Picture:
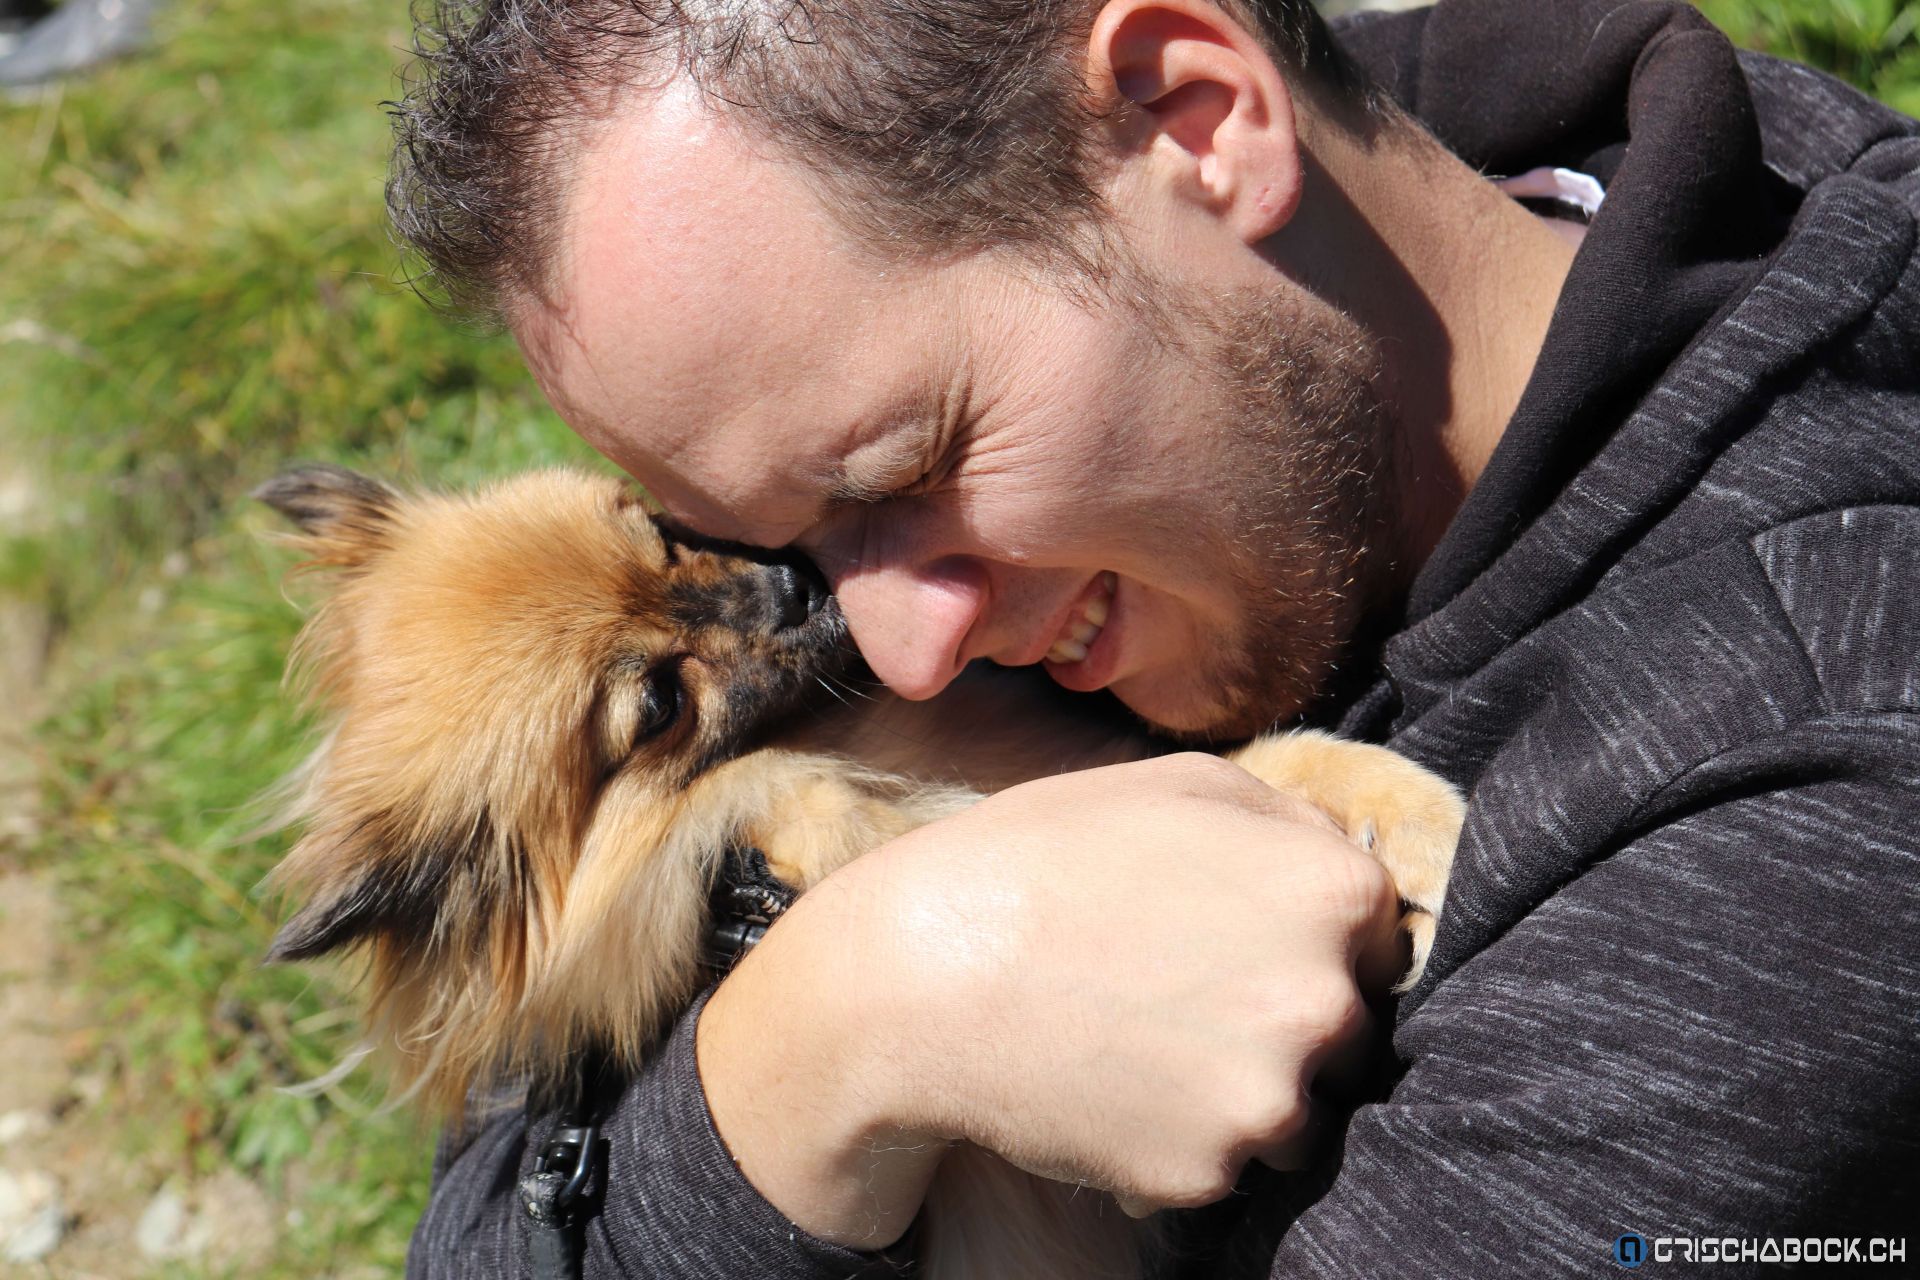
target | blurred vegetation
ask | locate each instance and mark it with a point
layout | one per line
(195, 289)
(1874, 44)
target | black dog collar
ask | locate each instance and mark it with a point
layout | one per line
(747, 897)
(557, 1196)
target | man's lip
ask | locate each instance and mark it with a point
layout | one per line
(1096, 670)
(1036, 650)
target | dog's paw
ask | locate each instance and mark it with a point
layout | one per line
(814, 814)
(1408, 818)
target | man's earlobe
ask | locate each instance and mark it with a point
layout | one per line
(1201, 99)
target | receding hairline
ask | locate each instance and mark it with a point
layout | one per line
(1001, 151)
(539, 285)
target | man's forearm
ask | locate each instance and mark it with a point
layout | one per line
(789, 1082)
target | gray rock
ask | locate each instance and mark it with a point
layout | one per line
(162, 1229)
(74, 37)
(15, 1125)
(32, 1220)
(226, 1220)
(239, 1222)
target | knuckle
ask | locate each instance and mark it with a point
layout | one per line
(1273, 1121)
(1198, 765)
(1263, 1104)
(1202, 774)
(1200, 1185)
(1360, 890)
(1330, 1009)
(1277, 1123)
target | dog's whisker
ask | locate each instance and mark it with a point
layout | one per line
(320, 1084)
(848, 687)
(830, 689)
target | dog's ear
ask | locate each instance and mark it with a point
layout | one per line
(382, 897)
(343, 517)
(324, 925)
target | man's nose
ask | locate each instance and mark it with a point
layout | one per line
(912, 622)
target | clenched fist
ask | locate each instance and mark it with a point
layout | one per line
(1129, 976)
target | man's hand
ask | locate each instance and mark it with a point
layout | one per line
(1129, 976)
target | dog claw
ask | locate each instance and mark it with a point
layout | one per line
(1421, 927)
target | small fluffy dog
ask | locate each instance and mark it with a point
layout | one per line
(548, 717)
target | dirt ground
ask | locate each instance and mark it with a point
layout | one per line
(60, 1199)
(73, 1204)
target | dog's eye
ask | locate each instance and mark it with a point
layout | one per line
(662, 705)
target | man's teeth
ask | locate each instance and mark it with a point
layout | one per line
(1081, 631)
(1066, 651)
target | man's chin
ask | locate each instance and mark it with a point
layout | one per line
(1187, 713)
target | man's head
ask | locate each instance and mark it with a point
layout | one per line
(966, 297)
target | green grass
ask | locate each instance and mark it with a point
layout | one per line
(196, 289)
(1875, 44)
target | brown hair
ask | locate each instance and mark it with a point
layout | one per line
(950, 124)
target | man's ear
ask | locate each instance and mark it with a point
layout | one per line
(343, 517)
(1198, 97)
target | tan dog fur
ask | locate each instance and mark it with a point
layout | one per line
(526, 867)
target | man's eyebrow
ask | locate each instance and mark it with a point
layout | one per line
(853, 491)
(894, 458)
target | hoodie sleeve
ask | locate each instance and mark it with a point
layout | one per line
(676, 1206)
(1705, 1041)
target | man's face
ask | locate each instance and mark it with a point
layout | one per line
(983, 459)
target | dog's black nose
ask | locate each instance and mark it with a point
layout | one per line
(799, 593)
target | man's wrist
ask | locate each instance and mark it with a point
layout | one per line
(801, 1090)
